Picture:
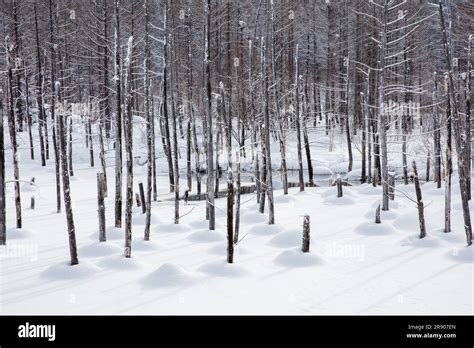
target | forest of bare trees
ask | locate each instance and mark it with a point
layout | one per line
(234, 78)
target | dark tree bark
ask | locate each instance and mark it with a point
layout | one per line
(128, 126)
(298, 120)
(101, 206)
(459, 133)
(67, 189)
(39, 89)
(210, 156)
(306, 234)
(149, 131)
(142, 197)
(118, 119)
(419, 201)
(377, 215)
(166, 128)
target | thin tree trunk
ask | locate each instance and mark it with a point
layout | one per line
(118, 120)
(297, 121)
(458, 132)
(101, 206)
(419, 201)
(149, 130)
(210, 156)
(128, 126)
(39, 89)
(67, 190)
(12, 130)
(3, 218)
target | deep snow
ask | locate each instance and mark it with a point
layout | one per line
(355, 265)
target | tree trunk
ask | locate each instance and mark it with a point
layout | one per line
(210, 156)
(67, 190)
(118, 120)
(149, 130)
(3, 220)
(382, 118)
(458, 131)
(12, 130)
(39, 90)
(419, 201)
(306, 234)
(101, 206)
(128, 149)
(297, 121)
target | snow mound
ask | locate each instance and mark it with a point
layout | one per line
(207, 236)
(284, 199)
(322, 170)
(427, 242)
(354, 175)
(119, 263)
(169, 275)
(372, 229)
(253, 216)
(395, 204)
(111, 233)
(221, 250)
(344, 200)
(99, 249)
(145, 245)
(407, 222)
(265, 229)
(340, 168)
(463, 255)
(368, 189)
(199, 224)
(384, 215)
(287, 239)
(223, 269)
(18, 233)
(171, 228)
(64, 271)
(297, 258)
(332, 192)
(140, 219)
(27, 187)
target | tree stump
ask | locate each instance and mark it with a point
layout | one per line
(339, 186)
(391, 186)
(377, 215)
(142, 197)
(137, 199)
(306, 234)
(419, 201)
(101, 206)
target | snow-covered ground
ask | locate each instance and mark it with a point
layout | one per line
(355, 265)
